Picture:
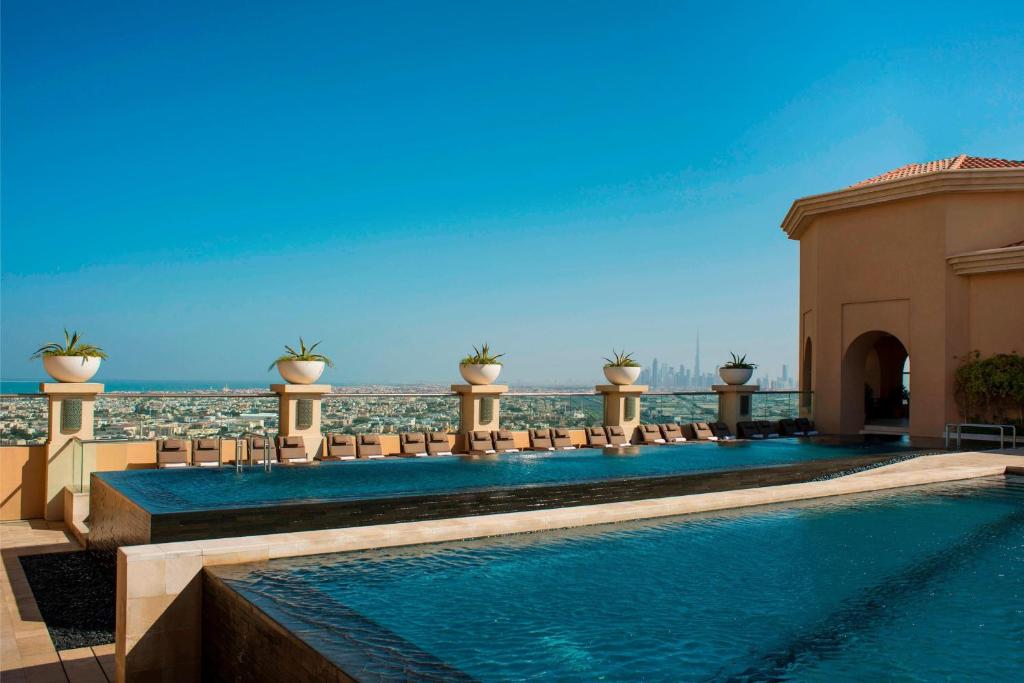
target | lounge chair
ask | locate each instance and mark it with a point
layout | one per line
(368, 446)
(748, 430)
(689, 431)
(413, 444)
(258, 448)
(480, 442)
(438, 444)
(540, 440)
(671, 432)
(617, 436)
(503, 441)
(806, 426)
(561, 440)
(340, 447)
(721, 430)
(291, 449)
(702, 431)
(651, 435)
(768, 429)
(206, 452)
(789, 427)
(171, 453)
(596, 437)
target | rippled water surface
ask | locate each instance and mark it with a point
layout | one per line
(174, 490)
(921, 585)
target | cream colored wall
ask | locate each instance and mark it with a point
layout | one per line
(883, 267)
(22, 478)
(996, 325)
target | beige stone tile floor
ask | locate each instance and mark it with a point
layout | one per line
(26, 652)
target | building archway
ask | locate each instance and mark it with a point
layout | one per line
(874, 394)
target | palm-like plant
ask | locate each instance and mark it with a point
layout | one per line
(303, 353)
(482, 356)
(739, 363)
(72, 346)
(621, 359)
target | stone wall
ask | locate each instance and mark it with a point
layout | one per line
(114, 520)
(241, 643)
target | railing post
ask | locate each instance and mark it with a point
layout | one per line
(622, 405)
(298, 413)
(734, 403)
(71, 407)
(479, 406)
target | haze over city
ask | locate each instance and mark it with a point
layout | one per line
(195, 185)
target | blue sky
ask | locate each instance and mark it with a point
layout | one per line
(195, 184)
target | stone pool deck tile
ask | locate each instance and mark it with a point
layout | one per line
(81, 666)
(26, 651)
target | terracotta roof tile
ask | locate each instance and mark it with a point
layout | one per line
(953, 163)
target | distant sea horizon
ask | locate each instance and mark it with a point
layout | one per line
(19, 386)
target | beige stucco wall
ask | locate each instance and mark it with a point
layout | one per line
(883, 268)
(22, 478)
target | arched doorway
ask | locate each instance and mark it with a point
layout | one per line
(875, 392)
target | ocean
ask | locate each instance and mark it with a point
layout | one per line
(116, 385)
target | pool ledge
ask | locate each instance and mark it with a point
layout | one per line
(159, 587)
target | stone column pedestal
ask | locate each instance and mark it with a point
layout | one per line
(298, 413)
(734, 403)
(479, 406)
(622, 405)
(71, 407)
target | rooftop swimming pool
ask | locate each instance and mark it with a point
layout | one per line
(197, 489)
(919, 584)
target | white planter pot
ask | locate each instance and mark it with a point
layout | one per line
(735, 375)
(480, 374)
(71, 368)
(300, 371)
(622, 376)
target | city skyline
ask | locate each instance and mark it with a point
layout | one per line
(217, 181)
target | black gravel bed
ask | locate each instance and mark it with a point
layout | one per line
(875, 465)
(76, 595)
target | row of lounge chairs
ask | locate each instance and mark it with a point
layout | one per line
(763, 429)
(292, 449)
(671, 432)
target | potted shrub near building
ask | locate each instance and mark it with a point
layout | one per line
(736, 371)
(621, 369)
(303, 366)
(72, 361)
(480, 367)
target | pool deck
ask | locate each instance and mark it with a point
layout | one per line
(26, 651)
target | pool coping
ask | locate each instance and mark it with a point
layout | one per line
(159, 587)
(129, 523)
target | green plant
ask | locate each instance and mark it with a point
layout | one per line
(990, 388)
(621, 359)
(739, 363)
(482, 356)
(72, 346)
(302, 354)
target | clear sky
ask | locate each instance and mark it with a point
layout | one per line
(194, 184)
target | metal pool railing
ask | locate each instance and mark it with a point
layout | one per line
(957, 428)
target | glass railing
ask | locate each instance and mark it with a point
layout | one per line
(389, 413)
(781, 405)
(679, 407)
(210, 415)
(525, 411)
(193, 416)
(23, 419)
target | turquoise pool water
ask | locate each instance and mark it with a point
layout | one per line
(924, 584)
(177, 490)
